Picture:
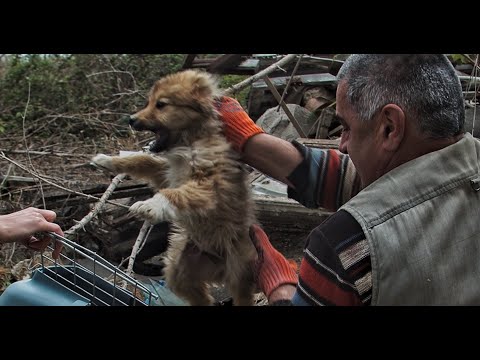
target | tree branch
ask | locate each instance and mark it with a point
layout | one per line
(142, 237)
(98, 206)
(243, 84)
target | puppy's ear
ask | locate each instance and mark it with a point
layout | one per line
(204, 90)
(203, 86)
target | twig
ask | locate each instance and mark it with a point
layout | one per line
(6, 176)
(294, 71)
(56, 185)
(9, 260)
(129, 92)
(98, 206)
(23, 120)
(26, 144)
(42, 153)
(141, 239)
(243, 84)
(123, 262)
(112, 71)
(473, 62)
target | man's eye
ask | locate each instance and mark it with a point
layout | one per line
(160, 104)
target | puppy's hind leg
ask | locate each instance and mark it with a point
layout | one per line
(240, 282)
(188, 272)
(195, 293)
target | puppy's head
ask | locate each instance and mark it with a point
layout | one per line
(179, 105)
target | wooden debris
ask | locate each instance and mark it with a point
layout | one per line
(284, 107)
(324, 122)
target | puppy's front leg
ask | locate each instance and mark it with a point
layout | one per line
(141, 166)
(155, 210)
(170, 204)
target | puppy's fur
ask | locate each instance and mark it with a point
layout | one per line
(202, 189)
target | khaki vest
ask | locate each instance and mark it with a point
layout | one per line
(422, 224)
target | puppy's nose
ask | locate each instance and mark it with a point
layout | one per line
(131, 120)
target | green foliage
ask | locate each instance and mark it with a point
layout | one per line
(459, 59)
(228, 80)
(67, 87)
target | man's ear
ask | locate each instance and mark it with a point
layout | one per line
(392, 126)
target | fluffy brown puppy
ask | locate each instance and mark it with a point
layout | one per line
(201, 188)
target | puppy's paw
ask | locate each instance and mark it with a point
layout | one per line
(155, 210)
(103, 161)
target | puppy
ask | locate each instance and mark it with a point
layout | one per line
(202, 189)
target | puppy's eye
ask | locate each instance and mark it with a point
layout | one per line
(160, 104)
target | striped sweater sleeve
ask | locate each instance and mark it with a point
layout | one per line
(336, 266)
(325, 178)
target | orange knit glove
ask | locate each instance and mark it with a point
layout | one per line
(272, 269)
(238, 125)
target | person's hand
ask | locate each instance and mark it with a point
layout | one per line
(272, 269)
(22, 227)
(238, 126)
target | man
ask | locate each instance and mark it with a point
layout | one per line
(411, 236)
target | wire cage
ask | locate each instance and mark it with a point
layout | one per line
(76, 281)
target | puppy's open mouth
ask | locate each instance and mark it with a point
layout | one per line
(161, 140)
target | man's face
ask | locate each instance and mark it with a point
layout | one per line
(359, 139)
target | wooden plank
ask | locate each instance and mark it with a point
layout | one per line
(320, 143)
(21, 179)
(224, 63)
(69, 199)
(80, 200)
(287, 215)
(249, 65)
(311, 79)
(188, 61)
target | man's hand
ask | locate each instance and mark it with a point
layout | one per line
(238, 126)
(272, 269)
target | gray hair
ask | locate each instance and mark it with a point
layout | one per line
(425, 86)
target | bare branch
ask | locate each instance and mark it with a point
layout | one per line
(243, 84)
(25, 141)
(142, 237)
(294, 71)
(98, 206)
(116, 71)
